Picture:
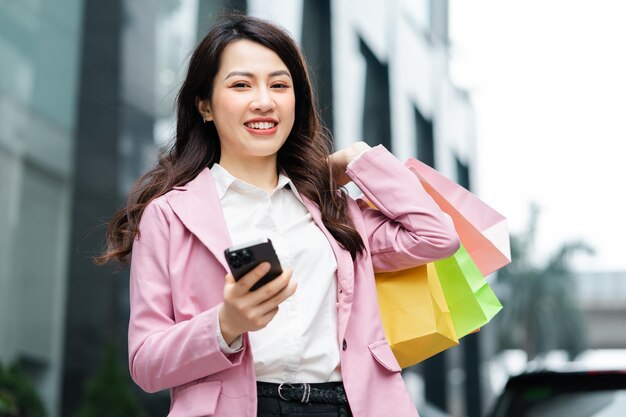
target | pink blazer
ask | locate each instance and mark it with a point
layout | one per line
(177, 278)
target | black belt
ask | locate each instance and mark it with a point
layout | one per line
(331, 393)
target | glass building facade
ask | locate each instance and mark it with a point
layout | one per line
(40, 46)
(87, 92)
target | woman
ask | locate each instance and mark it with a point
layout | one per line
(251, 160)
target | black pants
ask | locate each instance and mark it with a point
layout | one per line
(276, 407)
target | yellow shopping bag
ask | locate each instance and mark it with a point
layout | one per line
(415, 315)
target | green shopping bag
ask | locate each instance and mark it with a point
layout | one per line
(471, 300)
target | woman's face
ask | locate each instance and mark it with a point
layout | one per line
(253, 103)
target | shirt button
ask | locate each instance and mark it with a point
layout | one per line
(345, 344)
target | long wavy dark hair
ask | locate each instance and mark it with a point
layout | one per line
(303, 157)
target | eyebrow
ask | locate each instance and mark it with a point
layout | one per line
(249, 74)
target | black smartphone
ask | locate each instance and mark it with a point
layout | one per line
(243, 258)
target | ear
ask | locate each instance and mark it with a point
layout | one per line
(204, 109)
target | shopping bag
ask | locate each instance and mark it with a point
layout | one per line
(415, 316)
(482, 230)
(471, 300)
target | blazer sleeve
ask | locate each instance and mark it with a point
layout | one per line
(407, 228)
(162, 352)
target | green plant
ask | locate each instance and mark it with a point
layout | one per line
(18, 397)
(540, 310)
(108, 393)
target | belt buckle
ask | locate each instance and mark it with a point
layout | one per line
(306, 391)
(280, 395)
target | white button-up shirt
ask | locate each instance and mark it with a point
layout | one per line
(300, 342)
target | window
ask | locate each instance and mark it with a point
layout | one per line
(376, 112)
(425, 140)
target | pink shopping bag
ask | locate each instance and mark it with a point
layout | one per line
(482, 230)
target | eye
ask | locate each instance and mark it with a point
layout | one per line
(280, 85)
(239, 85)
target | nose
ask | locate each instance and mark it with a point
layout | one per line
(262, 100)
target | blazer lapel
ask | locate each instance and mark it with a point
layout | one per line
(198, 207)
(345, 269)
(345, 273)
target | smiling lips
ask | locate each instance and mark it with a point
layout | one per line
(264, 127)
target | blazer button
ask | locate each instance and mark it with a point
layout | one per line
(345, 344)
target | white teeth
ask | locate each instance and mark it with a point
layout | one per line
(261, 125)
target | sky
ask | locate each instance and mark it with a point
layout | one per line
(547, 79)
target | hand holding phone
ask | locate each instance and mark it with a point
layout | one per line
(242, 259)
(246, 310)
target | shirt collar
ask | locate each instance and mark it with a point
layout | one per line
(224, 181)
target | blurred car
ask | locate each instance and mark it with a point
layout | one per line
(563, 394)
